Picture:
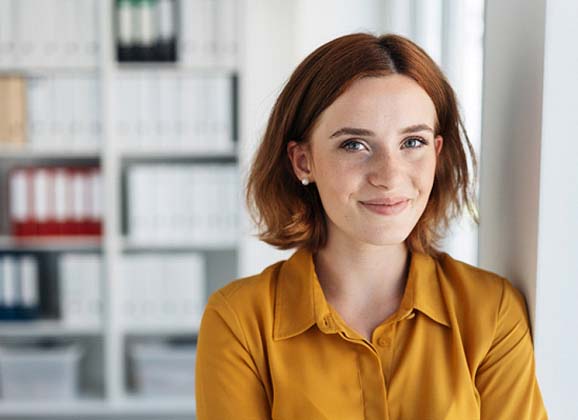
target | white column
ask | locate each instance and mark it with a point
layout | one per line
(511, 136)
(269, 58)
(556, 314)
(399, 17)
(529, 179)
(428, 27)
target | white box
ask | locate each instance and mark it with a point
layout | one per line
(32, 373)
(162, 369)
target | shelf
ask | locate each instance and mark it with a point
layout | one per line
(19, 152)
(105, 391)
(27, 152)
(177, 153)
(161, 330)
(46, 71)
(175, 245)
(44, 328)
(71, 243)
(48, 408)
(176, 68)
(132, 405)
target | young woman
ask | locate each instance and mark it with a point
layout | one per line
(361, 169)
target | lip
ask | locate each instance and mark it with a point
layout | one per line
(385, 201)
(386, 209)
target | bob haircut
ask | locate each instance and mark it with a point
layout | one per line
(289, 215)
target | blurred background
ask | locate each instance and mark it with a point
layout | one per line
(126, 132)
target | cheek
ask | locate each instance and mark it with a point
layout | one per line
(424, 172)
(336, 181)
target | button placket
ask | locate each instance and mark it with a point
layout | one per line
(385, 349)
(373, 386)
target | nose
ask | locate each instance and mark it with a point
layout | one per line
(385, 170)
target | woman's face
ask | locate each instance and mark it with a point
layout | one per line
(372, 154)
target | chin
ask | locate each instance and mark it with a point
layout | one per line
(385, 240)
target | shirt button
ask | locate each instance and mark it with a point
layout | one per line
(383, 342)
(326, 322)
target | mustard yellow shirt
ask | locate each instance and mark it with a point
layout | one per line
(270, 346)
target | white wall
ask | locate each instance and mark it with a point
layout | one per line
(556, 323)
(511, 134)
(323, 20)
(529, 183)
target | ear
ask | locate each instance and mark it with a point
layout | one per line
(438, 144)
(301, 159)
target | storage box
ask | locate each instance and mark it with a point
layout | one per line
(39, 373)
(162, 369)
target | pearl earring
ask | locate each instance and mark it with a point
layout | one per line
(305, 181)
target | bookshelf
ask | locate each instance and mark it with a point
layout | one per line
(176, 120)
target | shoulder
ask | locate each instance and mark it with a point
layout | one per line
(243, 310)
(466, 279)
(247, 294)
(479, 294)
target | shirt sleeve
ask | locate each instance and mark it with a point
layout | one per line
(227, 382)
(506, 379)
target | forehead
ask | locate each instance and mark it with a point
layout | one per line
(380, 102)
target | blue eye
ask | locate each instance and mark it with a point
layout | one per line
(414, 143)
(351, 145)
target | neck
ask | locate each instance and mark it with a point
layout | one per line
(358, 275)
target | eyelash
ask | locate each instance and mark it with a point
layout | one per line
(421, 140)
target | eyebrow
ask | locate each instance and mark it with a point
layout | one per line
(363, 132)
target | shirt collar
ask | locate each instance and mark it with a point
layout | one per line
(300, 302)
(424, 284)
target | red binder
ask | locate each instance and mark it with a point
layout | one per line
(28, 227)
(55, 201)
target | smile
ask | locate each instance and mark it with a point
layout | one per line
(387, 210)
